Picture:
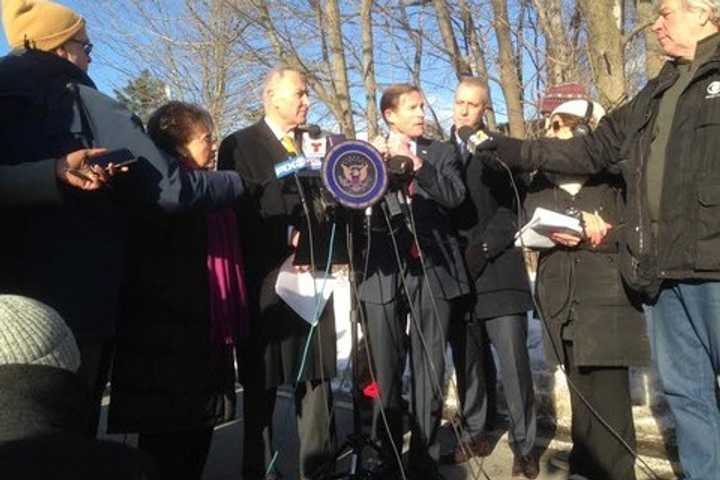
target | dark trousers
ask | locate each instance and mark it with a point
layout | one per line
(315, 424)
(179, 455)
(474, 369)
(95, 361)
(595, 452)
(428, 335)
(508, 334)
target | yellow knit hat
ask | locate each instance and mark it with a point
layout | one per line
(44, 25)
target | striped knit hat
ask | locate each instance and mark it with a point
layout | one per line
(31, 333)
(559, 94)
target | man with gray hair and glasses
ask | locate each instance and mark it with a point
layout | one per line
(665, 142)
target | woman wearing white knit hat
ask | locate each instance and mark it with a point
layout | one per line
(593, 327)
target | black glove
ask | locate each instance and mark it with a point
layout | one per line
(499, 147)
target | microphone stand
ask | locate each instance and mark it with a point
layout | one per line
(357, 443)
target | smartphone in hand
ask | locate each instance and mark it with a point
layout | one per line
(119, 158)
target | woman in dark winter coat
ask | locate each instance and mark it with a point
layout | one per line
(184, 308)
(594, 326)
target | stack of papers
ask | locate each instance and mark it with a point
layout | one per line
(536, 233)
(308, 294)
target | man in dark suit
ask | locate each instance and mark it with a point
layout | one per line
(420, 275)
(496, 312)
(270, 218)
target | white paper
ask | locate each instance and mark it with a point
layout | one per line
(304, 292)
(341, 305)
(534, 234)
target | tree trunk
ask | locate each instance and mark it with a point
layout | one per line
(509, 80)
(606, 49)
(333, 23)
(448, 34)
(368, 69)
(479, 64)
(560, 56)
(289, 56)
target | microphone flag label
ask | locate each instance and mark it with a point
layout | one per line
(314, 150)
(290, 166)
(314, 147)
(354, 172)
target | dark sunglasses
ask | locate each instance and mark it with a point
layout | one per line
(86, 46)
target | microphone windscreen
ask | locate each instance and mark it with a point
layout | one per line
(400, 165)
(465, 133)
(313, 130)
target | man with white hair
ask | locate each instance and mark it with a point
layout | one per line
(665, 143)
(274, 225)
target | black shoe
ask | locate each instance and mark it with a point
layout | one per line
(477, 447)
(525, 466)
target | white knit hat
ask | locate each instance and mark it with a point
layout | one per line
(31, 333)
(579, 108)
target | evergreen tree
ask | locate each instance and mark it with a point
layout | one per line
(142, 95)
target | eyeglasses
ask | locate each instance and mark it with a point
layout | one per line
(86, 46)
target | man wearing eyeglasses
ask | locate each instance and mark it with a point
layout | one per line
(70, 254)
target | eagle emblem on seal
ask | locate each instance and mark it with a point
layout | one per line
(355, 174)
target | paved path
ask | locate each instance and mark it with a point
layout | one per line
(225, 458)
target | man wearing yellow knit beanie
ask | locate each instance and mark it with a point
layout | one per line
(50, 27)
(71, 255)
(47, 26)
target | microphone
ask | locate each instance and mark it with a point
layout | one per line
(473, 138)
(300, 161)
(400, 167)
(313, 130)
(400, 172)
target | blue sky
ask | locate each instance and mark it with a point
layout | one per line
(438, 81)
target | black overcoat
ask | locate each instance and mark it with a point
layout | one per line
(267, 213)
(584, 286)
(168, 374)
(489, 215)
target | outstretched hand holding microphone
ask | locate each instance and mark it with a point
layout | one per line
(501, 151)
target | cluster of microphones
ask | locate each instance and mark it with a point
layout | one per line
(399, 167)
(396, 171)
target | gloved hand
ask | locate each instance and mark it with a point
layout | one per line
(499, 147)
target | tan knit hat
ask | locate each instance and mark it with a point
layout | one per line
(39, 24)
(31, 333)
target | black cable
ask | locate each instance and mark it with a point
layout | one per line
(368, 227)
(458, 430)
(648, 470)
(371, 363)
(414, 316)
(306, 210)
